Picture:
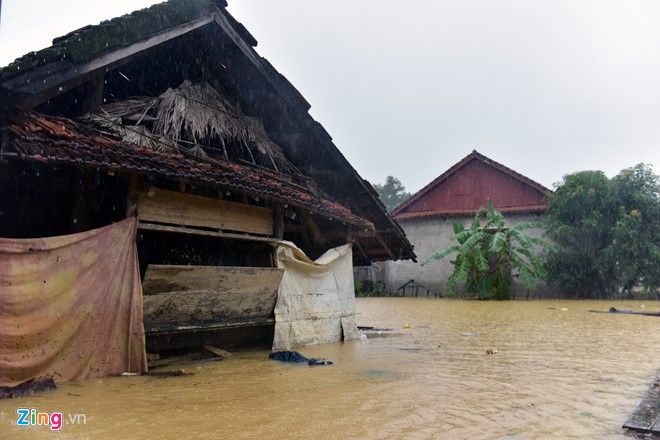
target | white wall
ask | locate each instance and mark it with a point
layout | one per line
(430, 234)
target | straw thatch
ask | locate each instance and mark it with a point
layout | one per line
(195, 119)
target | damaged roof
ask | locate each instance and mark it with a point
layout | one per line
(56, 140)
(214, 37)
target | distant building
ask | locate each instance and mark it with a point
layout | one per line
(455, 196)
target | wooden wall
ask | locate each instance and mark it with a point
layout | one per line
(170, 207)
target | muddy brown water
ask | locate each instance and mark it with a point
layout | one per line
(560, 372)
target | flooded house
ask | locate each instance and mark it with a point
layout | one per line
(169, 115)
(455, 196)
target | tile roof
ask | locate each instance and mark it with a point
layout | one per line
(59, 140)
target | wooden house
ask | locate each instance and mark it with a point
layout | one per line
(169, 114)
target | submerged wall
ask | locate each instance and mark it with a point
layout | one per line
(430, 234)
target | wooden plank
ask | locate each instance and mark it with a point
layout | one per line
(171, 278)
(175, 294)
(171, 207)
(173, 328)
(645, 418)
(256, 333)
(278, 221)
(205, 233)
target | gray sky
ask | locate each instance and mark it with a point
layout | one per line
(408, 88)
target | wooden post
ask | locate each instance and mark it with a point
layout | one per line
(4, 137)
(131, 196)
(94, 93)
(278, 222)
(80, 215)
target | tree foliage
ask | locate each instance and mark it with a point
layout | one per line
(392, 192)
(607, 231)
(486, 254)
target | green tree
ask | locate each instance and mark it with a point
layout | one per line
(392, 193)
(636, 232)
(606, 230)
(486, 253)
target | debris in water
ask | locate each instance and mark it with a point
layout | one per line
(217, 351)
(297, 358)
(28, 387)
(174, 373)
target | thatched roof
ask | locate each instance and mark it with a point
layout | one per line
(193, 118)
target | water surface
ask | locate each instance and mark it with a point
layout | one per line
(560, 372)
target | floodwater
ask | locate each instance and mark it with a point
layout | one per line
(560, 372)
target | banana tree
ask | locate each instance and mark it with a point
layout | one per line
(486, 255)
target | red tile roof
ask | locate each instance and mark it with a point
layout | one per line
(52, 139)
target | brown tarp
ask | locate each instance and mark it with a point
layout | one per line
(71, 306)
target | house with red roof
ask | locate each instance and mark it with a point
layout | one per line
(456, 195)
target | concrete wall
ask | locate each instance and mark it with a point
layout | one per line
(430, 234)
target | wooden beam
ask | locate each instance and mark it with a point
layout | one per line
(385, 246)
(314, 229)
(162, 206)
(131, 195)
(94, 92)
(229, 30)
(278, 221)
(200, 232)
(80, 213)
(359, 246)
(4, 137)
(190, 327)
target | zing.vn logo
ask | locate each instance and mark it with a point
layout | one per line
(54, 420)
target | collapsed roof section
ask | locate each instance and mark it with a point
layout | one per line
(240, 113)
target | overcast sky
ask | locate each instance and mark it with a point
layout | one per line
(545, 87)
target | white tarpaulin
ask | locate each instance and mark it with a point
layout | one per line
(316, 299)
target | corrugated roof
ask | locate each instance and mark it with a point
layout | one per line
(59, 140)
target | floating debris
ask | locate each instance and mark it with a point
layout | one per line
(174, 373)
(297, 358)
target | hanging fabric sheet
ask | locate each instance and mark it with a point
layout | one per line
(71, 306)
(316, 299)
